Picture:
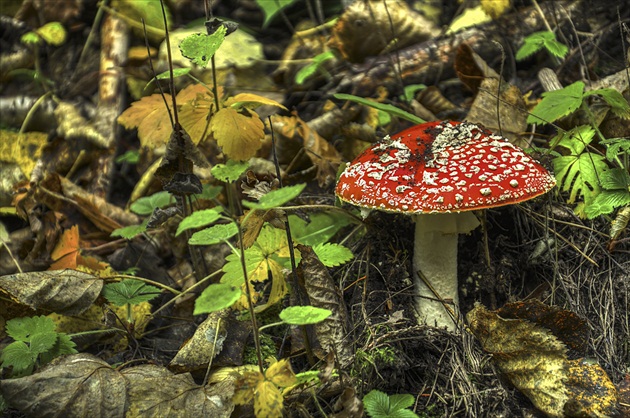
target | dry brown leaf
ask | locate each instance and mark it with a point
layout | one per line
(63, 291)
(153, 391)
(78, 385)
(240, 135)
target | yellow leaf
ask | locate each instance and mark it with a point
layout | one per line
(278, 285)
(150, 116)
(495, 8)
(267, 401)
(281, 374)
(22, 149)
(250, 101)
(197, 103)
(240, 135)
(245, 386)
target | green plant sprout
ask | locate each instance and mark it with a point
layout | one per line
(392, 110)
(317, 66)
(380, 405)
(129, 292)
(541, 40)
(584, 171)
(36, 344)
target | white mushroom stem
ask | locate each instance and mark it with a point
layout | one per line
(435, 256)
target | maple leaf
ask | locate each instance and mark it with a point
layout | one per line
(240, 135)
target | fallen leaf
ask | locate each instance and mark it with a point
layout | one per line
(22, 149)
(150, 116)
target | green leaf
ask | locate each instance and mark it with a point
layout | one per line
(129, 291)
(214, 235)
(42, 342)
(411, 90)
(271, 7)
(63, 345)
(131, 231)
(332, 255)
(209, 192)
(539, 40)
(230, 171)
(615, 178)
(19, 356)
(177, 72)
(53, 33)
(556, 49)
(131, 157)
(145, 205)
(216, 297)
(199, 219)
(557, 103)
(321, 228)
(23, 329)
(618, 104)
(379, 405)
(30, 38)
(310, 69)
(276, 198)
(200, 47)
(616, 146)
(304, 315)
(393, 110)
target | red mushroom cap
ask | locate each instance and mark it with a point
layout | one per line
(442, 167)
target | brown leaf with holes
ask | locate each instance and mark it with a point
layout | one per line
(239, 134)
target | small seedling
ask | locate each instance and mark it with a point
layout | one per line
(541, 40)
(36, 343)
(129, 292)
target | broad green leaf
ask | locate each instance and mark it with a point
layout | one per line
(618, 104)
(606, 201)
(557, 103)
(42, 342)
(379, 405)
(145, 205)
(233, 270)
(22, 329)
(332, 255)
(556, 48)
(214, 235)
(576, 139)
(18, 355)
(63, 345)
(320, 227)
(276, 198)
(616, 146)
(615, 178)
(271, 7)
(216, 297)
(131, 231)
(579, 175)
(273, 241)
(209, 192)
(200, 47)
(533, 43)
(130, 292)
(199, 219)
(230, 171)
(393, 110)
(304, 315)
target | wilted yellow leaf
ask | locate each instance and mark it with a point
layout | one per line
(281, 374)
(245, 386)
(240, 135)
(150, 116)
(267, 400)
(250, 101)
(495, 8)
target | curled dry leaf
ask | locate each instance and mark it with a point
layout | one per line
(535, 361)
(369, 28)
(79, 385)
(68, 292)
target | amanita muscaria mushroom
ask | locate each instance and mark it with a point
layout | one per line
(439, 172)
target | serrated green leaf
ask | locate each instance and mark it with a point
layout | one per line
(276, 198)
(271, 8)
(216, 297)
(233, 270)
(618, 104)
(393, 110)
(615, 178)
(145, 205)
(616, 146)
(63, 345)
(19, 356)
(557, 49)
(129, 291)
(400, 401)
(131, 231)
(23, 329)
(379, 405)
(200, 47)
(608, 200)
(230, 171)
(332, 255)
(199, 219)
(304, 315)
(557, 103)
(579, 175)
(42, 342)
(577, 138)
(214, 235)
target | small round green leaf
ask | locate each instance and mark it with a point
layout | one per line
(214, 235)
(216, 297)
(145, 205)
(304, 315)
(230, 171)
(198, 219)
(276, 198)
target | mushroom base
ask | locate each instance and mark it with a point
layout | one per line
(435, 260)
